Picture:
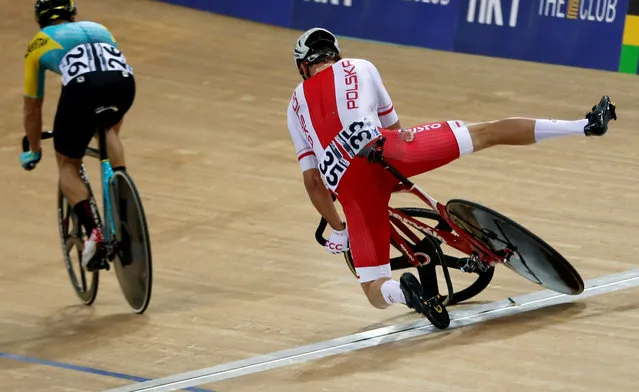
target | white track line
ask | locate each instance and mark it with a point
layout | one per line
(376, 337)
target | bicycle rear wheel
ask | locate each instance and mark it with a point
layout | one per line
(133, 265)
(72, 235)
(530, 256)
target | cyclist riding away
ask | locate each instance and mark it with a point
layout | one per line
(98, 88)
(342, 107)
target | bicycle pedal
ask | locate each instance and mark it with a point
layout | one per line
(468, 266)
(435, 304)
(105, 265)
(473, 265)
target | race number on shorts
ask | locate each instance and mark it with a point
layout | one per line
(352, 140)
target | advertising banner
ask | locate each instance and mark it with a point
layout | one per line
(584, 33)
(425, 23)
(275, 12)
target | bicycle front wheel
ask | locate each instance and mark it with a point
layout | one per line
(133, 265)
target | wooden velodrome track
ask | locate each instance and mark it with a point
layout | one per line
(237, 273)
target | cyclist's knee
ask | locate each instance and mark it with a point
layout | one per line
(480, 135)
(66, 162)
(116, 127)
(372, 274)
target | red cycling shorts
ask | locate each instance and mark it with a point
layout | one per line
(365, 190)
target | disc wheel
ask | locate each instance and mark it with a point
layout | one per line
(133, 264)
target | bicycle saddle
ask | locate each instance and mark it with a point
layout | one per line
(374, 151)
(106, 109)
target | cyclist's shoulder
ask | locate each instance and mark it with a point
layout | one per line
(357, 62)
(80, 31)
(95, 30)
(99, 32)
(299, 89)
(89, 24)
(41, 43)
(294, 102)
(40, 39)
(72, 29)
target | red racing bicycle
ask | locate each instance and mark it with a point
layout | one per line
(486, 238)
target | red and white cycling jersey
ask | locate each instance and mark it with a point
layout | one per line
(337, 112)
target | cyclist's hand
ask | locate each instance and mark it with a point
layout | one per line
(407, 135)
(29, 159)
(337, 242)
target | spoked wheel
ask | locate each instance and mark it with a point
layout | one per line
(133, 264)
(425, 247)
(72, 238)
(523, 251)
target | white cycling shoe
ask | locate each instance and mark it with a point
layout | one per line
(94, 252)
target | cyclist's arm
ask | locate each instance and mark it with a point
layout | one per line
(32, 113)
(385, 109)
(321, 198)
(317, 192)
(397, 125)
(33, 98)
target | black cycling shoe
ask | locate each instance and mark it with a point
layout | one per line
(432, 308)
(599, 117)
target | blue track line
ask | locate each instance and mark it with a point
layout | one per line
(85, 369)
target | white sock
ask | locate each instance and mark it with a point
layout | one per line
(547, 129)
(392, 292)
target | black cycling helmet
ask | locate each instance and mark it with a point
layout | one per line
(313, 46)
(49, 11)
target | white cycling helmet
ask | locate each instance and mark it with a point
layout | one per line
(313, 44)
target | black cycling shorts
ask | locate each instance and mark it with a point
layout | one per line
(76, 121)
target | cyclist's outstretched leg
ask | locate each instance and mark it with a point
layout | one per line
(426, 147)
(523, 131)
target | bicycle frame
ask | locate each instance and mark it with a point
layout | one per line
(458, 239)
(106, 173)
